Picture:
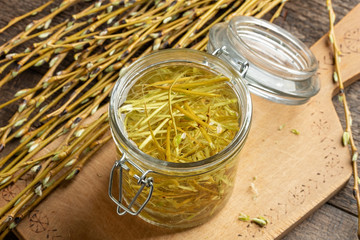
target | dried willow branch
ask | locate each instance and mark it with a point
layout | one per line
(90, 48)
(347, 137)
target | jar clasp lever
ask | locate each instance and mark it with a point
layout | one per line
(244, 66)
(142, 180)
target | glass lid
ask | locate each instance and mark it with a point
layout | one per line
(281, 68)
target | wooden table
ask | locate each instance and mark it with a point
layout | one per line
(337, 219)
(308, 20)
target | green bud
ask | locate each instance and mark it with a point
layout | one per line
(89, 65)
(122, 71)
(59, 156)
(261, 221)
(98, 4)
(110, 20)
(35, 168)
(294, 131)
(40, 26)
(157, 43)
(100, 60)
(70, 163)
(22, 106)
(346, 138)
(17, 202)
(83, 78)
(21, 92)
(43, 108)
(94, 110)
(48, 184)
(12, 225)
(243, 217)
(44, 35)
(10, 56)
(85, 100)
(30, 144)
(40, 133)
(78, 133)
(38, 190)
(45, 85)
(14, 73)
(58, 50)
(166, 20)
(112, 52)
(79, 47)
(100, 41)
(72, 174)
(340, 98)
(24, 138)
(5, 180)
(46, 180)
(30, 25)
(40, 101)
(33, 147)
(39, 63)
(47, 24)
(20, 122)
(110, 68)
(355, 156)
(20, 133)
(106, 88)
(335, 77)
(53, 61)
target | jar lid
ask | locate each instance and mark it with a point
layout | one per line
(280, 67)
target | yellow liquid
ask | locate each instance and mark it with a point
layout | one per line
(156, 124)
(181, 113)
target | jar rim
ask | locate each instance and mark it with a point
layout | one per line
(177, 56)
(247, 24)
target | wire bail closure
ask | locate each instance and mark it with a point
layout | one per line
(141, 180)
(244, 66)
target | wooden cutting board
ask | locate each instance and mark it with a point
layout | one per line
(295, 174)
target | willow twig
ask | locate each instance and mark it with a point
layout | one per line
(33, 12)
(347, 137)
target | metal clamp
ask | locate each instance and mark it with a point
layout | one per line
(217, 52)
(142, 180)
(244, 66)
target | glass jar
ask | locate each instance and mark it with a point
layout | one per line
(175, 194)
(254, 54)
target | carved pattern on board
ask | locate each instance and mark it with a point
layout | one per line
(10, 192)
(352, 40)
(38, 221)
(40, 224)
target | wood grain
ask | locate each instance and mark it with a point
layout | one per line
(295, 174)
(313, 228)
(327, 227)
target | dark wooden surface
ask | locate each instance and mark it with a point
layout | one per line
(306, 19)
